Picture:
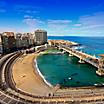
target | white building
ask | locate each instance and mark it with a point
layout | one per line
(31, 39)
(40, 37)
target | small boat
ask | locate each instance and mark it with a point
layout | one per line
(95, 84)
(98, 85)
(70, 78)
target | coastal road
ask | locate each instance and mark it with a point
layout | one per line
(4, 97)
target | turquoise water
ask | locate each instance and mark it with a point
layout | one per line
(58, 68)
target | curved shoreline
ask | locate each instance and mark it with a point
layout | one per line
(40, 74)
(27, 77)
(87, 96)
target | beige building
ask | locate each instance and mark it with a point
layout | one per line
(40, 37)
(25, 41)
(9, 42)
(28, 40)
(31, 39)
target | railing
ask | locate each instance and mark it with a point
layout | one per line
(83, 56)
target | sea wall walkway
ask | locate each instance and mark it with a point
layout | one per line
(84, 57)
(81, 55)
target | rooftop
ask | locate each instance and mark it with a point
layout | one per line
(9, 33)
(102, 55)
(39, 30)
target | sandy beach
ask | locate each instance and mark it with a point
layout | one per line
(27, 78)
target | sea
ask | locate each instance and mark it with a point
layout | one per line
(90, 45)
(65, 70)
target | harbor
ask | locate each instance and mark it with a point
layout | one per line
(71, 60)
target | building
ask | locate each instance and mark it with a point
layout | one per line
(25, 41)
(8, 42)
(18, 37)
(31, 39)
(40, 37)
(1, 47)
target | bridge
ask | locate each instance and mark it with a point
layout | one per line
(84, 57)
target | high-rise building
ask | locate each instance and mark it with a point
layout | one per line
(9, 42)
(25, 40)
(18, 40)
(31, 39)
(40, 37)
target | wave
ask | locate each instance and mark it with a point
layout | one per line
(79, 47)
(41, 74)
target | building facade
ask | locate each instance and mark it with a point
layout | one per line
(8, 42)
(31, 39)
(18, 37)
(25, 41)
(40, 37)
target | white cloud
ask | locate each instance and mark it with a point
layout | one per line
(32, 22)
(59, 27)
(26, 9)
(28, 16)
(77, 25)
(59, 21)
(90, 25)
(95, 19)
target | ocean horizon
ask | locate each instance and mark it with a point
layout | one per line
(90, 45)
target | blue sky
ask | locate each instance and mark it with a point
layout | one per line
(58, 17)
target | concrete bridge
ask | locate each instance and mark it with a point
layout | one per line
(84, 57)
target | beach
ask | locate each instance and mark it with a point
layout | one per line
(27, 78)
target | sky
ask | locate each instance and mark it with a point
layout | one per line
(57, 17)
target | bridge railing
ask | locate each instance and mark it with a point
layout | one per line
(86, 57)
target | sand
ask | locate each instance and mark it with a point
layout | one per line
(27, 78)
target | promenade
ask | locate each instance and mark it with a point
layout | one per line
(82, 56)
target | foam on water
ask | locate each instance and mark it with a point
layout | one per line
(35, 61)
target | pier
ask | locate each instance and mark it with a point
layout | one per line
(83, 57)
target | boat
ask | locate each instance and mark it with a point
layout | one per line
(95, 84)
(99, 85)
(70, 78)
